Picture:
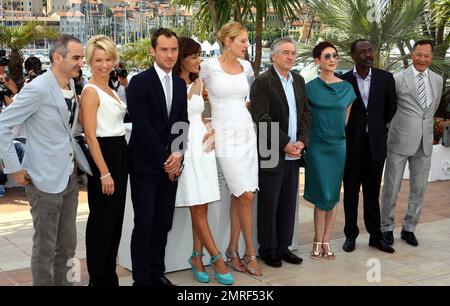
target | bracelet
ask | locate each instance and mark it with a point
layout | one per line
(105, 176)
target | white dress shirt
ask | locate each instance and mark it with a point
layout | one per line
(162, 74)
(288, 87)
(363, 85)
(364, 88)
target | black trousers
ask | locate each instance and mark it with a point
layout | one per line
(154, 205)
(366, 172)
(104, 227)
(277, 199)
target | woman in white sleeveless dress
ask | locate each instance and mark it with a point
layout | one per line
(102, 114)
(198, 184)
(228, 79)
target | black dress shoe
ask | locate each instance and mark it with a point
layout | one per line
(410, 238)
(349, 245)
(271, 260)
(291, 258)
(381, 245)
(162, 282)
(388, 237)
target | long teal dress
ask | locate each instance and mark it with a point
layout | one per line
(325, 155)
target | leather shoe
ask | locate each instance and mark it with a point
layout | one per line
(162, 282)
(271, 260)
(291, 258)
(349, 245)
(388, 237)
(381, 245)
(410, 238)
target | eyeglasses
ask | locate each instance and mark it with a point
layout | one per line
(328, 56)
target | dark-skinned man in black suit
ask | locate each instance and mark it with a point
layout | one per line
(366, 135)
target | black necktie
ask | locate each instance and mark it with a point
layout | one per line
(71, 108)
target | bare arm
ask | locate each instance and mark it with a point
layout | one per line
(90, 103)
(80, 113)
(347, 115)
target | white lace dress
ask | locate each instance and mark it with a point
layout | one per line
(236, 147)
(198, 183)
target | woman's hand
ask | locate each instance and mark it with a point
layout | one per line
(108, 185)
(208, 142)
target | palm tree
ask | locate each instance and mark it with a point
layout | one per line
(212, 14)
(439, 16)
(137, 54)
(386, 27)
(16, 38)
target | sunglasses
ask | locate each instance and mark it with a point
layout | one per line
(328, 56)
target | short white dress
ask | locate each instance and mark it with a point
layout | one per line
(236, 147)
(198, 183)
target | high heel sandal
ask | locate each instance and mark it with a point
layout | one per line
(252, 271)
(230, 256)
(201, 277)
(222, 278)
(327, 253)
(316, 252)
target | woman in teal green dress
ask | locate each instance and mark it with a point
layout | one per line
(330, 100)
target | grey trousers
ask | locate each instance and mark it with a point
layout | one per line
(55, 235)
(419, 169)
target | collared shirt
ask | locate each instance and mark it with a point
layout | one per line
(162, 74)
(288, 87)
(363, 85)
(364, 88)
(427, 84)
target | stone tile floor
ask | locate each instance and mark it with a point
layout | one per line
(427, 264)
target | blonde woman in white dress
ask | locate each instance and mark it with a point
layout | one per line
(228, 79)
(198, 184)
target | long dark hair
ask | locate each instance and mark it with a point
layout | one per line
(187, 47)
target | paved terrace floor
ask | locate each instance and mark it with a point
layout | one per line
(427, 264)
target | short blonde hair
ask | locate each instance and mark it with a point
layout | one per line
(231, 30)
(101, 42)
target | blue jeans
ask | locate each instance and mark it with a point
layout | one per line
(20, 150)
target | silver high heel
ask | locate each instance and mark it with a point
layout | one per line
(232, 255)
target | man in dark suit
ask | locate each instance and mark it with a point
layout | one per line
(279, 107)
(366, 143)
(157, 103)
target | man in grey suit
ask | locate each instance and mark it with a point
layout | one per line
(410, 139)
(48, 109)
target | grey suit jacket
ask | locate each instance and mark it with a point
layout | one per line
(411, 125)
(50, 146)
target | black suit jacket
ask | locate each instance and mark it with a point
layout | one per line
(380, 110)
(151, 137)
(269, 104)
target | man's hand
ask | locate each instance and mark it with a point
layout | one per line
(292, 150)
(172, 165)
(8, 100)
(21, 177)
(300, 145)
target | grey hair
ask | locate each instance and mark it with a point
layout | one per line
(274, 48)
(59, 45)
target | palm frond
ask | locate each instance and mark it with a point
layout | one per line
(137, 54)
